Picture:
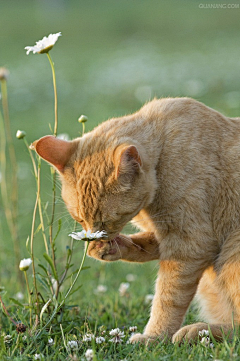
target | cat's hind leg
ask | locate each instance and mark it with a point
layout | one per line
(219, 295)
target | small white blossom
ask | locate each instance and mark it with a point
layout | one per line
(101, 289)
(44, 45)
(19, 296)
(130, 277)
(133, 328)
(100, 339)
(117, 334)
(24, 264)
(72, 345)
(20, 134)
(148, 299)
(8, 339)
(50, 341)
(203, 333)
(205, 341)
(124, 286)
(38, 356)
(89, 354)
(4, 73)
(87, 235)
(88, 337)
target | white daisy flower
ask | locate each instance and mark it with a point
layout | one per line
(124, 286)
(101, 289)
(148, 299)
(87, 235)
(100, 339)
(72, 345)
(24, 264)
(117, 334)
(44, 45)
(89, 354)
(88, 337)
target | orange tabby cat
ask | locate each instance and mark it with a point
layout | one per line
(173, 168)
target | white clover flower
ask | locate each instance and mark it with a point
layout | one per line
(50, 341)
(133, 328)
(89, 354)
(130, 277)
(117, 334)
(19, 296)
(88, 337)
(101, 289)
(100, 339)
(205, 341)
(124, 286)
(203, 333)
(44, 45)
(8, 339)
(72, 345)
(38, 356)
(148, 299)
(24, 264)
(87, 235)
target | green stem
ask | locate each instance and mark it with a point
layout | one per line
(31, 240)
(55, 94)
(29, 297)
(83, 128)
(39, 199)
(54, 171)
(68, 292)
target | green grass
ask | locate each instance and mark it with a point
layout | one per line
(113, 56)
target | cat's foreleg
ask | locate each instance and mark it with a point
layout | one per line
(140, 247)
(175, 287)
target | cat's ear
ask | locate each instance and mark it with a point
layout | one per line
(53, 150)
(128, 162)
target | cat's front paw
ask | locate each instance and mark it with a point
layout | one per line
(141, 338)
(108, 251)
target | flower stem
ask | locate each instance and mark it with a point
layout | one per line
(67, 294)
(53, 170)
(29, 297)
(39, 199)
(32, 237)
(55, 94)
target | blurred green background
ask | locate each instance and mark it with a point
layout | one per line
(113, 56)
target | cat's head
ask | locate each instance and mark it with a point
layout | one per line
(103, 187)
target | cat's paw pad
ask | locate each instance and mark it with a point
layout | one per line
(140, 338)
(189, 333)
(105, 251)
